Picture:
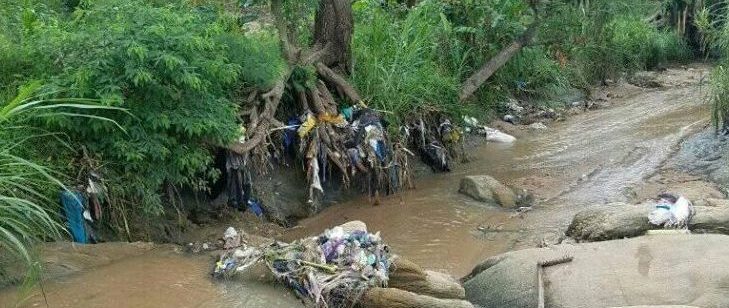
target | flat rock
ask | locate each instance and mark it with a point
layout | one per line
(484, 188)
(649, 270)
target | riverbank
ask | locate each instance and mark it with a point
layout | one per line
(589, 158)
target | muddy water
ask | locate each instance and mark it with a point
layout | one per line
(592, 158)
(160, 277)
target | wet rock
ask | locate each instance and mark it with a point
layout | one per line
(396, 298)
(486, 189)
(537, 126)
(657, 270)
(620, 220)
(705, 153)
(611, 221)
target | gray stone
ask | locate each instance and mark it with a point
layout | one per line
(537, 126)
(619, 220)
(486, 189)
(650, 270)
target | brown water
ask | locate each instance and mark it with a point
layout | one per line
(160, 277)
(591, 158)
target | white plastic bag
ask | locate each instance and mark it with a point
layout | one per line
(681, 212)
(660, 216)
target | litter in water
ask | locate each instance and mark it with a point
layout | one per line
(333, 269)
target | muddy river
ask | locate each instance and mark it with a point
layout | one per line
(591, 158)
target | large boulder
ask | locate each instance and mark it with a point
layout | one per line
(487, 189)
(409, 276)
(649, 270)
(620, 220)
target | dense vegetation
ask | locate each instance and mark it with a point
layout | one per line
(182, 72)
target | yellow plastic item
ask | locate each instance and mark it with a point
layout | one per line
(307, 126)
(331, 118)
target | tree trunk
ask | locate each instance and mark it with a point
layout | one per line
(333, 28)
(484, 73)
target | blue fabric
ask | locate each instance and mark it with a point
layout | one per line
(255, 207)
(73, 208)
(380, 150)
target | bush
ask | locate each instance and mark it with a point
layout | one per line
(642, 46)
(175, 68)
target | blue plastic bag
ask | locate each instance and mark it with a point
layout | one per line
(73, 209)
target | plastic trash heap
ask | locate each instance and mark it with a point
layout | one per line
(333, 269)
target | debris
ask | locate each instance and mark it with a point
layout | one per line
(232, 238)
(510, 119)
(513, 105)
(255, 206)
(492, 134)
(73, 210)
(672, 212)
(333, 269)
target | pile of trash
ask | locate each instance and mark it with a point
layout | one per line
(333, 269)
(353, 141)
(491, 134)
(672, 212)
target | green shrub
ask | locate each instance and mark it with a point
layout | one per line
(397, 67)
(642, 46)
(174, 68)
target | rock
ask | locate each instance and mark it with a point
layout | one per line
(486, 189)
(396, 298)
(510, 119)
(716, 202)
(611, 221)
(649, 270)
(354, 225)
(619, 220)
(537, 126)
(408, 276)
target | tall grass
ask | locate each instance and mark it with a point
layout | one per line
(396, 61)
(719, 97)
(28, 189)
